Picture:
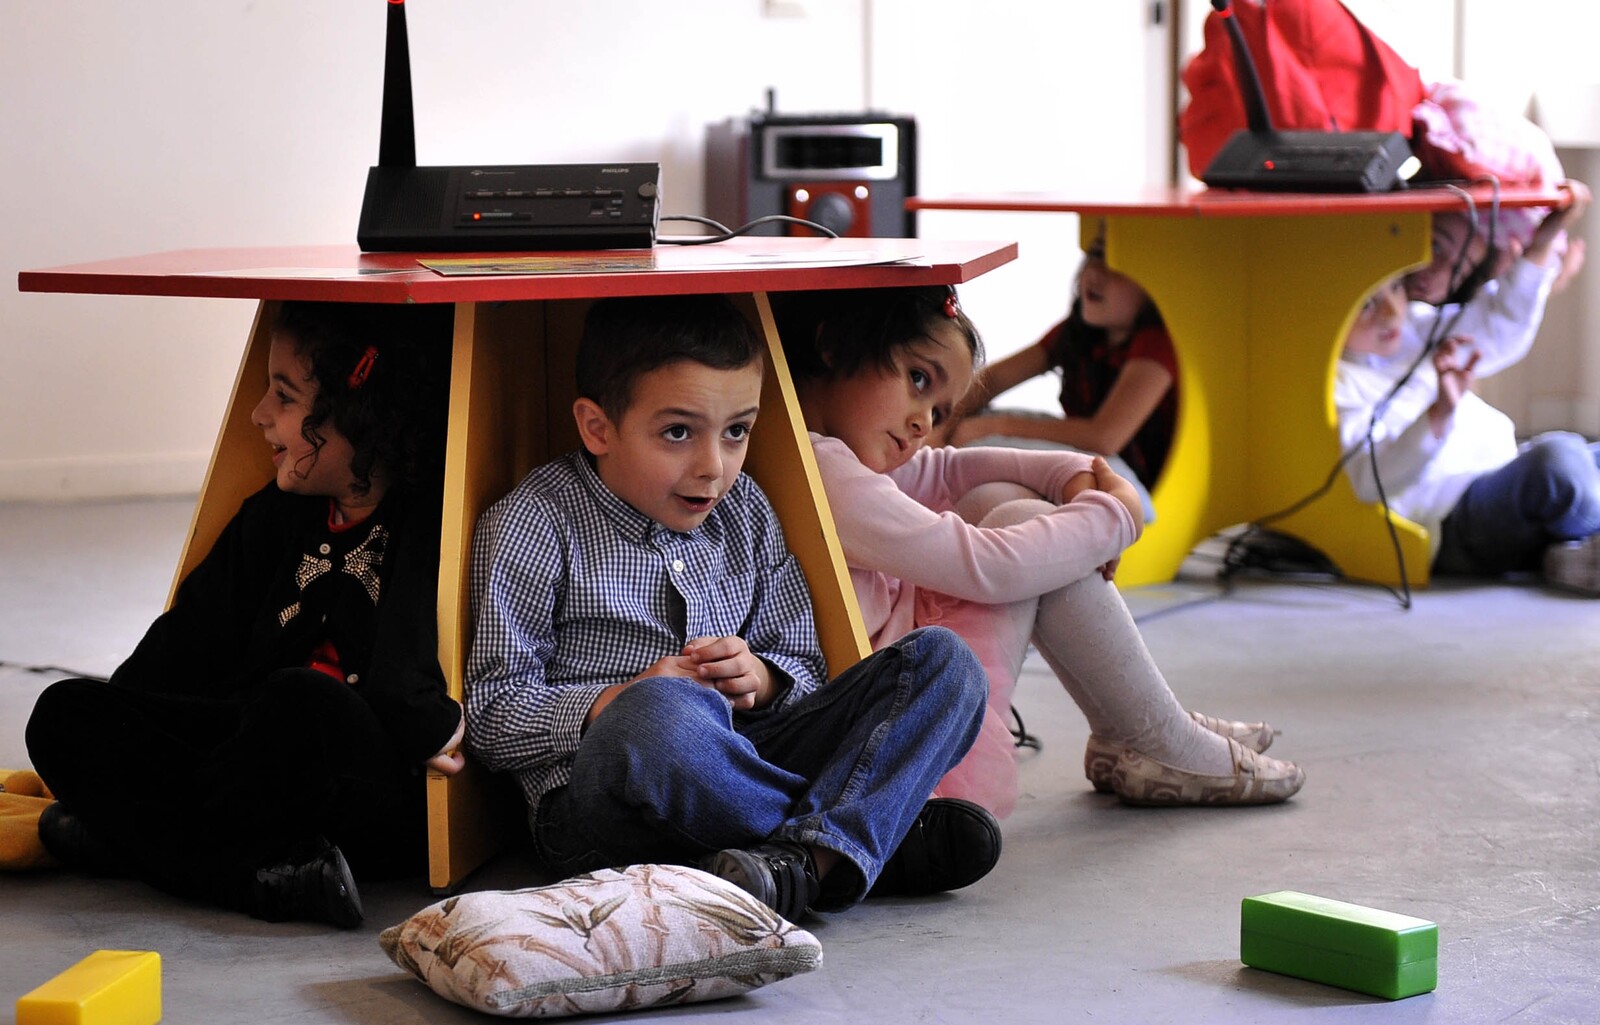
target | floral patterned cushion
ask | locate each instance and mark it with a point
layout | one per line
(646, 936)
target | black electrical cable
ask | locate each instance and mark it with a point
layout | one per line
(1020, 734)
(724, 233)
(63, 670)
(1232, 557)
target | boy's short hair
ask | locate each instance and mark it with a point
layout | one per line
(624, 339)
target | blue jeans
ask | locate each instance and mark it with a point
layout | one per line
(1504, 521)
(669, 773)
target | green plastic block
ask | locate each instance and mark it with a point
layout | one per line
(1347, 945)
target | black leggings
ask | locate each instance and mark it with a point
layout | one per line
(195, 794)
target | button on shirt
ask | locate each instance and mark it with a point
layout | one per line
(574, 590)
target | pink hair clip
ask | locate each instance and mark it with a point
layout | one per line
(363, 368)
(951, 306)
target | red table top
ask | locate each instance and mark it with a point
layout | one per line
(345, 274)
(1170, 201)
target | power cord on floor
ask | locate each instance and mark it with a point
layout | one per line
(63, 670)
(1020, 734)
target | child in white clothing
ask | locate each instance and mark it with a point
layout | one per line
(1448, 460)
(1002, 546)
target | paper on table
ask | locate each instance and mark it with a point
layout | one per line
(858, 258)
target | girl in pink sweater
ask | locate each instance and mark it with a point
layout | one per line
(1004, 546)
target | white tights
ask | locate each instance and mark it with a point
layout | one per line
(1086, 635)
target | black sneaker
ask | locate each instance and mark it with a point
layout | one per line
(76, 846)
(778, 873)
(313, 883)
(953, 843)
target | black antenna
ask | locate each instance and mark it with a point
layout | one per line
(1244, 68)
(397, 139)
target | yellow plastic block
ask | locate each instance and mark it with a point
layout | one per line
(109, 987)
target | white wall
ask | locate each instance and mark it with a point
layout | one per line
(1540, 55)
(1017, 95)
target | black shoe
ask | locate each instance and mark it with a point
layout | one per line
(73, 844)
(778, 873)
(953, 843)
(313, 884)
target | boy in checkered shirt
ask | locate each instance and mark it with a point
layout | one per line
(646, 665)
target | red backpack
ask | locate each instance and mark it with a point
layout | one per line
(1320, 68)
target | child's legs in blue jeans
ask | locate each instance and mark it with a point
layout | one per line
(1504, 521)
(666, 774)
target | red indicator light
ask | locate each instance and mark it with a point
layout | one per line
(1269, 165)
(477, 217)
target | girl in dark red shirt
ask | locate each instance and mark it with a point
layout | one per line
(1118, 378)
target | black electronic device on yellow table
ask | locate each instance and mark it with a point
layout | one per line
(493, 208)
(1262, 158)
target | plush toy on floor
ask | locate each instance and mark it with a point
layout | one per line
(23, 797)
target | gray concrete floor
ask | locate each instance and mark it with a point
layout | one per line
(1453, 763)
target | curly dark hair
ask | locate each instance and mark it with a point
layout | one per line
(626, 338)
(835, 334)
(394, 416)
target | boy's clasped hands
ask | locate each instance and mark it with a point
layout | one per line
(724, 664)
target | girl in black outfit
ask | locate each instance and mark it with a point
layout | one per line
(292, 695)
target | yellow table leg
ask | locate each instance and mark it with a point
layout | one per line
(499, 426)
(241, 463)
(1258, 309)
(782, 462)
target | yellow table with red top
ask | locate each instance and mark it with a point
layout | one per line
(511, 390)
(1258, 291)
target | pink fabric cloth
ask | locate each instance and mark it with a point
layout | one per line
(1482, 139)
(998, 635)
(1458, 136)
